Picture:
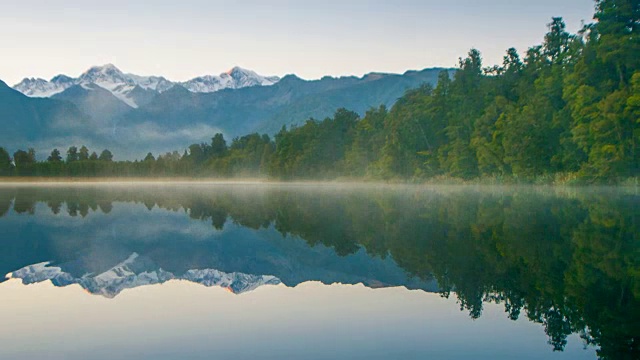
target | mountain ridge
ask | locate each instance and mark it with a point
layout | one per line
(121, 84)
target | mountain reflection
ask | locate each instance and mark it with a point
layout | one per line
(135, 272)
(569, 260)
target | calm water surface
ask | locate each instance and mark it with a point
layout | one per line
(206, 271)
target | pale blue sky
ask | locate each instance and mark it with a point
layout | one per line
(181, 39)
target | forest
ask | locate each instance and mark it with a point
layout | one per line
(566, 111)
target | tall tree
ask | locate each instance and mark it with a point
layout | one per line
(55, 156)
(218, 146)
(618, 27)
(556, 41)
(25, 161)
(106, 155)
(83, 154)
(72, 154)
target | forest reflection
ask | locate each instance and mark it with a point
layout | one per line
(567, 259)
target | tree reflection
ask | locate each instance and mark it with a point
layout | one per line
(570, 262)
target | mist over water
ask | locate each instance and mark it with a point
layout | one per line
(533, 272)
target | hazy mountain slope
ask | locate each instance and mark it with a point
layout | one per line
(373, 91)
(94, 101)
(25, 121)
(291, 100)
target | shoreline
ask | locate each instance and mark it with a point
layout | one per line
(631, 183)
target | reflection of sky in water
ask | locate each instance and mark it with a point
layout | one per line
(179, 320)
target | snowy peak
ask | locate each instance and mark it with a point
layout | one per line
(107, 75)
(123, 84)
(236, 78)
(136, 271)
(157, 83)
(39, 87)
(246, 78)
(236, 283)
(62, 80)
(111, 78)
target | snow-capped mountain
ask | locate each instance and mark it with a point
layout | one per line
(121, 85)
(235, 78)
(39, 87)
(134, 272)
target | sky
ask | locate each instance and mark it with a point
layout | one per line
(182, 39)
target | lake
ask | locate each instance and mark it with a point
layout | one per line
(318, 271)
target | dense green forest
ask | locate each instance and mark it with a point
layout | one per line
(568, 109)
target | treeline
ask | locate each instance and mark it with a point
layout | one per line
(569, 109)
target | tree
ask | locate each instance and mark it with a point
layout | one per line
(618, 28)
(83, 155)
(467, 97)
(218, 146)
(25, 161)
(556, 41)
(106, 155)
(93, 156)
(55, 156)
(72, 154)
(196, 154)
(149, 157)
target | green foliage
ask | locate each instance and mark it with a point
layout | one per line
(72, 154)
(55, 156)
(25, 162)
(106, 155)
(83, 154)
(315, 150)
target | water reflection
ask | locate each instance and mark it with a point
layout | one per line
(569, 260)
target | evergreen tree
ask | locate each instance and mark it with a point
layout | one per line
(72, 154)
(218, 146)
(25, 161)
(106, 155)
(55, 156)
(83, 154)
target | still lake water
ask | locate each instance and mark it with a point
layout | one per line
(206, 271)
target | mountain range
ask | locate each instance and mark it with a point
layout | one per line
(132, 115)
(124, 86)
